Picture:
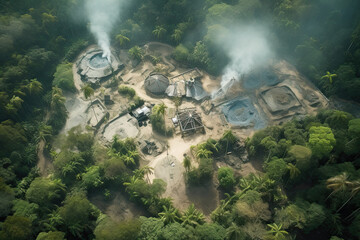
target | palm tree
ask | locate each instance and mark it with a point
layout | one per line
(133, 181)
(329, 76)
(134, 154)
(177, 35)
(34, 87)
(57, 98)
(169, 215)
(159, 32)
(54, 220)
(130, 184)
(76, 229)
(155, 59)
(88, 93)
(123, 40)
(70, 168)
(44, 132)
(234, 232)
(161, 110)
(203, 153)
(229, 137)
(128, 160)
(136, 52)
(177, 101)
(293, 170)
(147, 170)
(187, 163)
(138, 173)
(244, 184)
(212, 144)
(276, 232)
(192, 216)
(355, 188)
(338, 183)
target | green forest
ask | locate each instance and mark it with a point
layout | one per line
(310, 184)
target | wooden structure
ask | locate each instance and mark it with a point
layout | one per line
(187, 84)
(192, 74)
(189, 121)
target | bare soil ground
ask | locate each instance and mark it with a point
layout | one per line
(119, 208)
(169, 167)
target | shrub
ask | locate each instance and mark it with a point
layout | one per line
(63, 77)
(321, 141)
(205, 169)
(127, 91)
(137, 102)
(158, 125)
(202, 174)
(276, 168)
(226, 178)
(181, 54)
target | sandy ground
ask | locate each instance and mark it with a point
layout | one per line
(124, 127)
(168, 167)
(76, 108)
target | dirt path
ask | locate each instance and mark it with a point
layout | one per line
(44, 163)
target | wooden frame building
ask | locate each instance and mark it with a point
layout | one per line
(189, 121)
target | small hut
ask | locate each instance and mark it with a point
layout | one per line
(156, 83)
(187, 84)
(189, 121)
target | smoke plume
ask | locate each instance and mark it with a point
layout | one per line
(102, 15)
(247, 48)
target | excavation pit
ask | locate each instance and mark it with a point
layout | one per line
(124, 126)
(259, 78)
(96, 113)
(280, 100)
(94, 68)
(242, 113)
(98, 61)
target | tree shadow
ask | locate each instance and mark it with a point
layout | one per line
(118, 208)
(205, 197)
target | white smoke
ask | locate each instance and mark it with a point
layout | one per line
(248, 48)
(102, 15)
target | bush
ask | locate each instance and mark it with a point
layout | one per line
(17, 228)
(63, 77)
(127, 91)
(137, 102)
(202, 174)
(226, 178)
(276, 169)
(158, 125)
(321, 141)
(205, 169)
(302, 156)
(51, 235)
(181, 54)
